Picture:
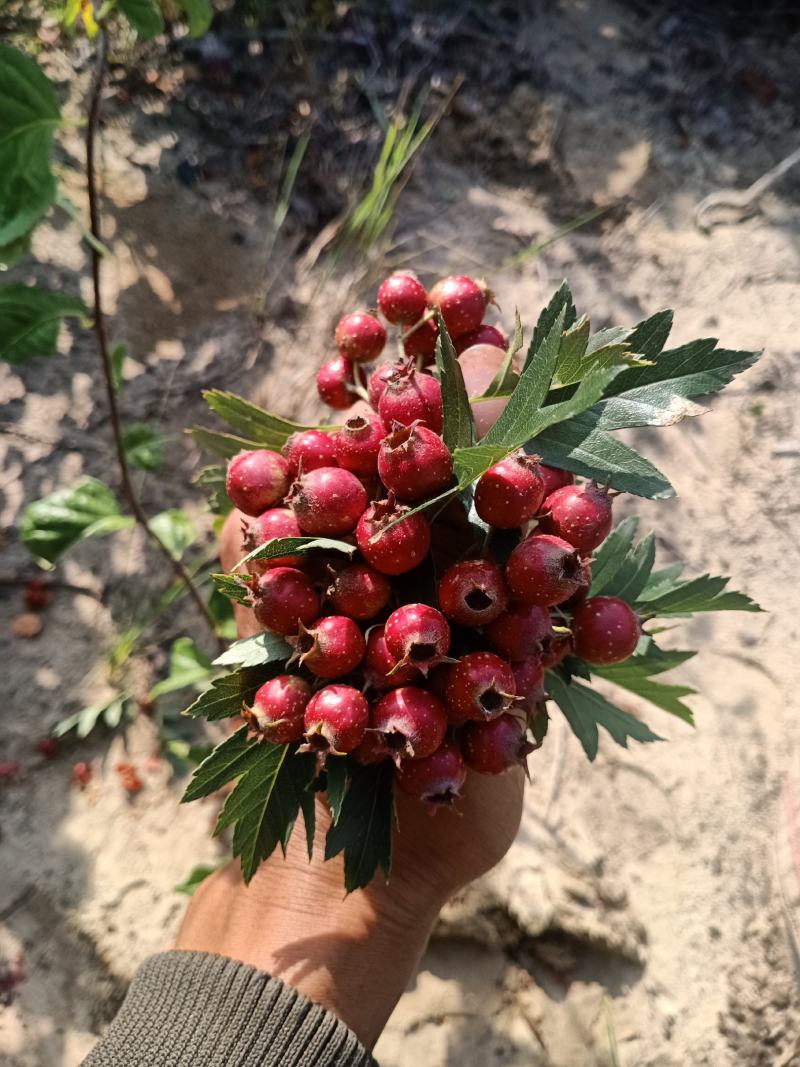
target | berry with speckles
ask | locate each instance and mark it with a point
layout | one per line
(581, 514)
(418, 634)
(419, 340)
(308, 449)
(336, 720)
(284, 599)
(438, 779)
(277, 522)
(358, 442)
(529, 679)
(519, 632)
(327, 501)
(392, 549)
(336, 383)
(480, 686)
(473, 592)
(606, 630)
(360, 337)
(414, 462)
(544, 570)
(410, 722)
(510, 493)
(496, 746)
(278, 709)
(359, 591)
(554, 478)
(384, 670)
(411, 396)
(332, 647)
(402, 298)
(256, 480)
(484, 335)
(462, 302)
(377, 382)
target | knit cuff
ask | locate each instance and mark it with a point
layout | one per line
(192, 1009)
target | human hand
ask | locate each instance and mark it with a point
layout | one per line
(355, 955)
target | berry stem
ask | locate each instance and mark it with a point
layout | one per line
(101, 333)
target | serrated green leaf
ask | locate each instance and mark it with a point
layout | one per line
(224, 445)
(255, 651)
(144, 15)
(636, 675)
(228, 761)
(585, 710)
(706, 593)
(233, 586)
(632, 573)
(364, 830)
(458, 429)
(200, 13)
(612, 553)
(143, 447)
(262, 428)
(28, 119)
(212, 479)
(662, 581)
(295, 546)
(649, 336)
(336, 784)
(561, 301)
(255, 786)
(195, 877)
(56, 522)
(187, 666)
(226, 695)
(572, 351)
(30, 320)
(175, 530)
(505, 380)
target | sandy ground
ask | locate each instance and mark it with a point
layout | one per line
(649, 901)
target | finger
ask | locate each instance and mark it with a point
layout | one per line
(230, 552)
(480, 364)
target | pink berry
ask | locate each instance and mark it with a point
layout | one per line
(410, 722)
(473, 592)
(256, 480)
(554, 478)
(377, 382)
(383, 669)
(309, 449)
(359, 591)
(328, 500)
(480, 686)
(461, 301)
(494, 747)
(335, 383)
(336, 719)
(606, 630)
(284, 599)
(418, 634)
(544, 570)
(411, 396)
(438, 779)
(510, 493)
(360, 337)
(420, 340)
(278, 709)
(581, 514)
(402, 298)
(414, 462)
(277, 522)
(518, 632)
(484, 335)
(399, 548)
(528, 678)
(358, 442)
(333, 646)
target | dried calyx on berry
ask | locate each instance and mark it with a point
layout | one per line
(392, 540)
(414, 462)
(410, 395)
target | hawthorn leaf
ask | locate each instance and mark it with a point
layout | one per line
(233, 586)
(56, 522)
(706, 593)
(228, 761)
(187, 666)
(631, 575)
(505, 380)
(254, 651)
(295, 546)
(561, 301)
(196, 876)
(144, 448)
(175, 530)
(262, 428)
(662, 581)
(199, 13)
(647, 338)
(612, 553)
(212, 478)
(458, 429)
(224, 445)
(636, 675)
(364, 830)
(572, 351)
(585, 710)
(226, 695)
(144, 15)
(336, 784)
(30, 320)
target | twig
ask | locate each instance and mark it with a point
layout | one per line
(743, 199)
(102, 336)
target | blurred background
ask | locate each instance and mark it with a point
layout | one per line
(259, 181)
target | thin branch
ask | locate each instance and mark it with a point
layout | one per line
(102, 335)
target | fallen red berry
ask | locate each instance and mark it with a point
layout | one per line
(402, 298)
(391, 546)
(129, 776)
(37, 595)
(360, 337)
(336, 383)
(309, 449)
(81, 775)
(410, 723)
(278, 709)
(480, 686)
(473, 592)
(414, 462)
(336, 719)
(461, 301)
(47, 747)
(544, 570)
(510, 493)
(606, 630)
(327, 501)
(256, 480)
(283, 599)
(581, 514)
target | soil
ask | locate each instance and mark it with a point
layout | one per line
(648, 909)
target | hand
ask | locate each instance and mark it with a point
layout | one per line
(355, 956)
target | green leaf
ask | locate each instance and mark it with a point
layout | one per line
(561, 301)
(30, 320)
(336, 781)
(117, 357)
(187, 666)
(506, 378)
(175, 530)
(28, 119)
(648, 337)
(264, 429)
(580, 446)
(85, 720)
(295, 546)
(221, 611)
(143, 447)
(227, 695)
(195, 877)
(230, 759)
(662, 581)
(635, 674)
(53, 524)
(585, 710)
(254, 651)
(458, 429)
(224, 445)
(144, 15)
(612, 554)
(572, 351)
(233, 586)
(200, 13)
(632, 573)
(364, 830)
(706, 593)
(15, 250)
(212, 479)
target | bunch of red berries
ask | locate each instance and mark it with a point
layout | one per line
(435, 686)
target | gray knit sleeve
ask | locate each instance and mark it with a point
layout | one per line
(192, 1009)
